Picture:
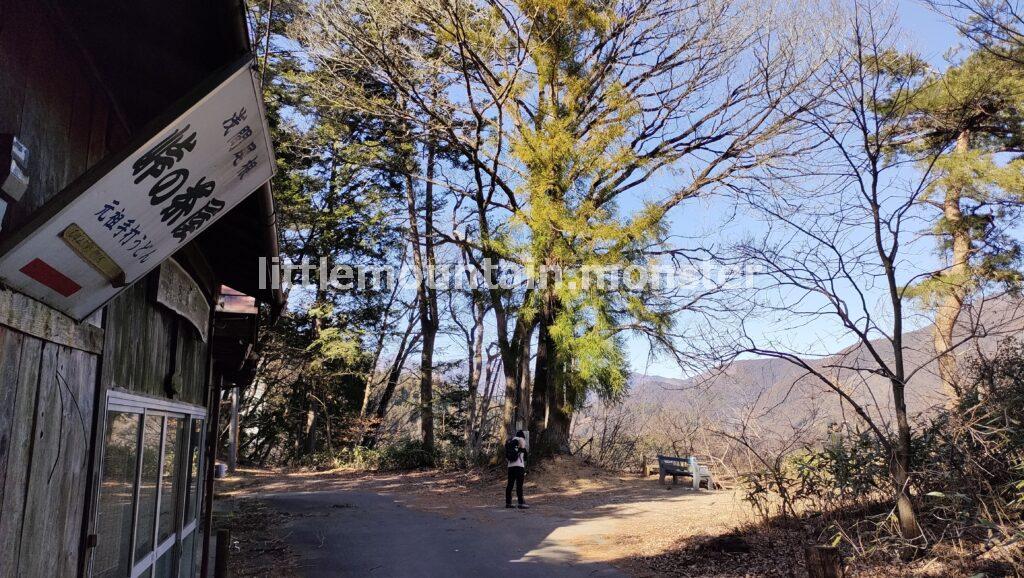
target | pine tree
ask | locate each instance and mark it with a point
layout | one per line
(332, 196)
(968, 118)
(572, 144)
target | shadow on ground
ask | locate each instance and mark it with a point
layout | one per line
(431, 524)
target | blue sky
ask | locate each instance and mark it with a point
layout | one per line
(931, 37)
(927, 31)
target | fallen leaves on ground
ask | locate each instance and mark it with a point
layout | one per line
(257, 550)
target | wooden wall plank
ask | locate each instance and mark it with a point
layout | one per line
(79, 129)
(193, 369)
(111, 336)
(98, 131)
(78, 417)
(157, 336)
(45, 475)
(34, 318)
(56, 496)
(47, 99)
(45, 117)
(15, 34)
(10, 366)
(19, 460)
(117, 134)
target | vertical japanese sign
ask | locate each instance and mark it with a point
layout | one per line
(123, 219)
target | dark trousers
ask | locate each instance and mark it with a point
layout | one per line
(516, 474)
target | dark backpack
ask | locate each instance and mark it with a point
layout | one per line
(512, 449)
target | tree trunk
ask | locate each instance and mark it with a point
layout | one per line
(539, 395)
(515, 364)
(560, 409)
(524, 390)
(900, 467)
(557, 434)
(476, 362)
(426, 267)
(956, 284)
(309, 430)
(390, 385)
(823, 562)
(233, 430)
(364, 406)
(552, 400)
(515, 356)
(427, 394)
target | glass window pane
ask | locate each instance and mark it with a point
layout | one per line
(174, 456)
(164, 565)
(195, 463)
(116, 494)
(186, 567)
(147, 490)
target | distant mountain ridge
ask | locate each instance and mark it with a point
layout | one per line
(778, 389)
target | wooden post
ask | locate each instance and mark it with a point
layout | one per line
(233, 431)
(212, 433)
(220, 567)
(823, 562)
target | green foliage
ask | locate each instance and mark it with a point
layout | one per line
(334, 190)
(848, 469)
(962, 121)
(406, 454)
(452, 413)
(570, 151)
(978, 449)
(983, 94)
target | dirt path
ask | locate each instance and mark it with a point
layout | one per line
(582, 520)
(349, 533)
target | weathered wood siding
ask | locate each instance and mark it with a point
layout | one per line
(45, 432)
(140, 344)
(47, 389)
(50, 101)
(49, 386)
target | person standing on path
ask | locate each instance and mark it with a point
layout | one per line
(515, 455)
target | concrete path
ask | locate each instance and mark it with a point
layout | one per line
(350, 533)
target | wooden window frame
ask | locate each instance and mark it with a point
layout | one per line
(145, 406)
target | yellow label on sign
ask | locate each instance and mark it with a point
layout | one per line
(91, 253)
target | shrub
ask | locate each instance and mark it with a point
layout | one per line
(967, 472)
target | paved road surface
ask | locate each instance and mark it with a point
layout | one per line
(345, 533)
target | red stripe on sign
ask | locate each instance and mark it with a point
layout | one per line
(42, 272)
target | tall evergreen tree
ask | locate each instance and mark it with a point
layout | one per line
(572, 145)
(333, 202)
(971, 117)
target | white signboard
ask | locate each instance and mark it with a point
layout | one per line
(126, 218)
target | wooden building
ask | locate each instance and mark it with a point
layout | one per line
(105, 452)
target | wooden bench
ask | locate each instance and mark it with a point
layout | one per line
(684, 467)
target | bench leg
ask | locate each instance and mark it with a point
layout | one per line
(696, 480)
(675, 479)
(661, 478)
